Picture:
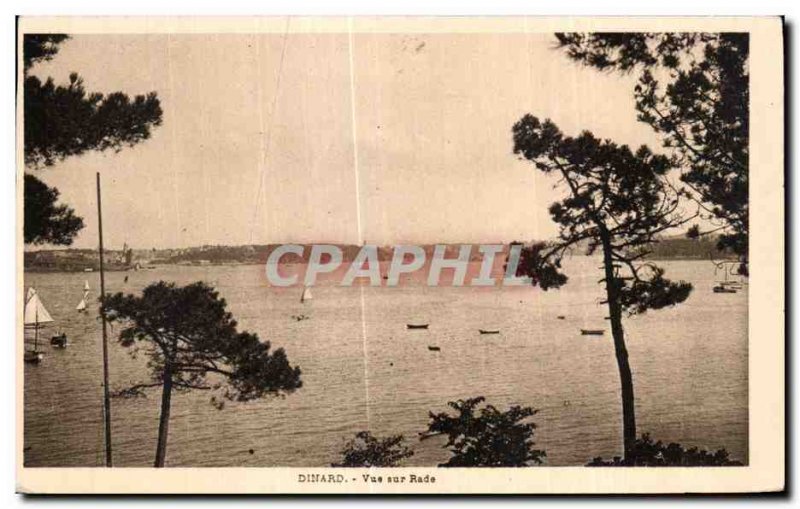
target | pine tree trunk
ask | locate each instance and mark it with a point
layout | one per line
(163, 423)
(625, 376)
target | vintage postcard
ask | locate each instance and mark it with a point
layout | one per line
(400, 255)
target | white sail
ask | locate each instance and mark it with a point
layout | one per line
(82, 304)
(306, 294)
(35, 312)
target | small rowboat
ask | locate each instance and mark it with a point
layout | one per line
(483, 331)
(723, 289)
(417, 326)
(434, 348)
(33, 357)
(59, 340)
(592, 332)
(427, 434)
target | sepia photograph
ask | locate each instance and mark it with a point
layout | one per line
(357, 252)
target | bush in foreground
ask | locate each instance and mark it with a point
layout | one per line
(487, 438)
(366, 450)
(647, 453)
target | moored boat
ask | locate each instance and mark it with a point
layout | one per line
(59, 340)
(33, 357)
(35, 316)
(417, 326)
(592, 332)
(81, 307)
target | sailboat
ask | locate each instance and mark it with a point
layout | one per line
(81, 307)
(306, 294)
(34, 317)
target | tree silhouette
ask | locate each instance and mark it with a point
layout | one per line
(693, 89)
(617, 202)
(488, 438)
(40, 48)
(366, 450)
(193, 343)
(45, 220)
(66, 120)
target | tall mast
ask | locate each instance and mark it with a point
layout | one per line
(106, 396)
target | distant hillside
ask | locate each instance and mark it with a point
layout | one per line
(76, 260)
(260, 254)
(677, 247)
(680, 247)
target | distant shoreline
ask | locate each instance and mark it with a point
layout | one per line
(145, 268)
(719, 258)
(148, 268)
(79, 260)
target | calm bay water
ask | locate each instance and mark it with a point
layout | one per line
(689, 364)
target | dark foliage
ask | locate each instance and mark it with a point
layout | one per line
(40, 48)
(693, 232)
(66, 120)
(655, 454)
(693, 89)
(192, 342)
(615, 194)
(618, 202)
(189, 329)
(368, 451)
(46, 221)
(489, 437)
(652, 292)
(543, 271)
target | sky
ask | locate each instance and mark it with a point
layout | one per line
(369, 137)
